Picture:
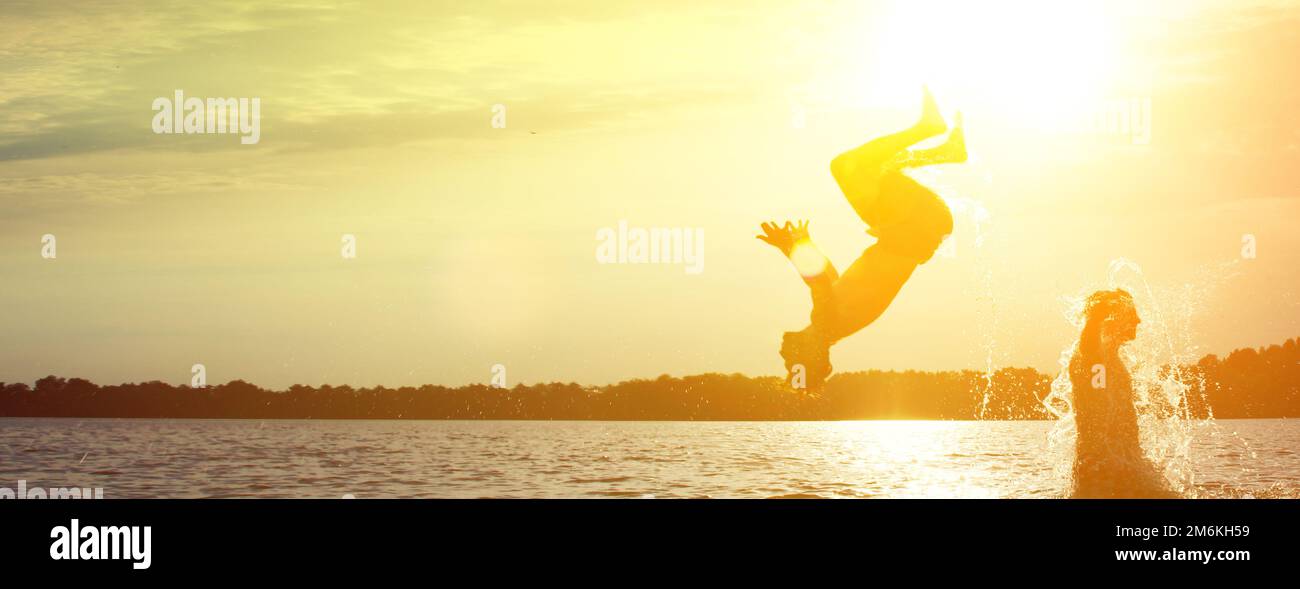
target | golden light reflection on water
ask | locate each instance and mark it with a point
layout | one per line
(925, 449)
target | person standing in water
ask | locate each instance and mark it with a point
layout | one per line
(908, 220)
(1108, 457)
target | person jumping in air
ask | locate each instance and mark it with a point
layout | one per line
(908, 220)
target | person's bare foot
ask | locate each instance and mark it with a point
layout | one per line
(954, 149)
(931, 122)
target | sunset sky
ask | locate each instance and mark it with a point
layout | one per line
(477, 245)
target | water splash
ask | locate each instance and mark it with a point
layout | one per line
(1164, 384)
(973, 210)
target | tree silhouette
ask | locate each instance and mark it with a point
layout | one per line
(1259, 383)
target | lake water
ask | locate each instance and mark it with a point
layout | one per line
(365, 459)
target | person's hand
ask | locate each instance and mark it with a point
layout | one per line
(780, 237)
(798, 231)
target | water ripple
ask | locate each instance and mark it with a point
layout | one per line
(371, 459)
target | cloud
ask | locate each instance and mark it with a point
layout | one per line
(329, 76)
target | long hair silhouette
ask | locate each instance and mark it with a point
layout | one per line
(1108, 462)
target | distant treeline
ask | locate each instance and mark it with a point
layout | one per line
(1248, 383)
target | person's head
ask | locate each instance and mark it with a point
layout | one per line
(808, 355)
(1111, 316)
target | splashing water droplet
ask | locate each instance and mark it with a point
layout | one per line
(1167, 391)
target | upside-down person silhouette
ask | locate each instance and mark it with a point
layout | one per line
(908, 220)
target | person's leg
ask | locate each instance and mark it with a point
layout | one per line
(858, 171)
(911, 217)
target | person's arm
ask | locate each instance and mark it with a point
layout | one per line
(794, 242)
(812, 264)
